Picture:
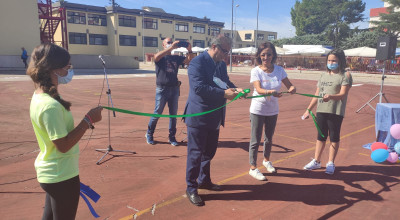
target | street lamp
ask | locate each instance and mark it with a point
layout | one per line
(230, 56)
(144, 59)
(258, 6)
(236, 6)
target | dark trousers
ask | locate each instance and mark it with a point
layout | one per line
(329, 124)
(170, 96)
(202, 145)
(24, 60)
(61, 199)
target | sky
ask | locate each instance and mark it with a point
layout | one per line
(274, 15)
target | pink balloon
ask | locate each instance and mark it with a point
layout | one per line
(393, 157)
(395, 131)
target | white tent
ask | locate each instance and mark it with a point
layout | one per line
(360, 52)
(245, 50)
(197, 49)
(179, 50)
(281, 51)
(306, 50)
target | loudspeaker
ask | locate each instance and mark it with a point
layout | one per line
(386, 48)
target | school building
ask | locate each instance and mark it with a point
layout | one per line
(120, 34)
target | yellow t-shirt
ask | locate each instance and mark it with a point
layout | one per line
(52, 121)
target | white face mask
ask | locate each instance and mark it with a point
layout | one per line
(66, 79)
(168, 46)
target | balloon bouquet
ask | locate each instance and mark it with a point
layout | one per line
(380, 152)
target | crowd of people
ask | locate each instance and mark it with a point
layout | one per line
(209, 88)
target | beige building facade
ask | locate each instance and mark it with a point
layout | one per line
(18, 29)
(247, 38)
(119, 31)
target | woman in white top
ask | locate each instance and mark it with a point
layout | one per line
(266, 78)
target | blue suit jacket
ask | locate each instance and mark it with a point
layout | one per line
(204, 94)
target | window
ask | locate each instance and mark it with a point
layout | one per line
(77, 38)
(127, 21)
(248, 45)
(98, 39)
(260, 36)
(182, 27)
(150, 23)
(76, 17)
(99, 20)
(150, 41)
(213, 31)
(199, 28)
(271, 37)
(198, 43)
(166, 21)
(247, 36)
(127, 40)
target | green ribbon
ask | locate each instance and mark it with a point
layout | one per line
(241, 94)
(315, 122)
(308, 95)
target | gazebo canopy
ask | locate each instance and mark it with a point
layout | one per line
(360, 52)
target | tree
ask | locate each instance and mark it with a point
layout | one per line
(389, 23)
(114, 4)
(331, 17)
(308, 17)
(365, 38)
(310, 39)
(344, 13)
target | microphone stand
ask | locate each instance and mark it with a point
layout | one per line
(109, 148)
(380, 93)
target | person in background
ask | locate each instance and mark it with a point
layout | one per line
(267, 78)
(57, 163)
(209, 87)
(167, 90)
(24, 56)
(333, 85)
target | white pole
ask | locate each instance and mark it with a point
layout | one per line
(258, 6)
(230, 56)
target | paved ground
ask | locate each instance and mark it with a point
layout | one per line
(151, 183)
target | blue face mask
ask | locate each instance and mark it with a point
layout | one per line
(332, 66)
(66, 79)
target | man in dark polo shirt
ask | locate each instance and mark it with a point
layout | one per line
(167, 90)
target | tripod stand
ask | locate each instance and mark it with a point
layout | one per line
(109, 148)
(380, 93)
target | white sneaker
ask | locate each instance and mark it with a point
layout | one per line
(269, 166)
(330, 168)
(257, 174)
(312, 165)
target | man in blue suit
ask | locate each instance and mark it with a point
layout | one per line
(209, 88)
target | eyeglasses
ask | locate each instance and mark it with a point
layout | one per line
(170, 42)
(226, 52)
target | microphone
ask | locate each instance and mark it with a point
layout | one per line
(101, 58)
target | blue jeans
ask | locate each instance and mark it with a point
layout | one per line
(165, 95)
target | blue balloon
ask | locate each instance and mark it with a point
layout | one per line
(397, 148)
(379, 155)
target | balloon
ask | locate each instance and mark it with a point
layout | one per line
(397, 148)
(393, 157)
(378, 145)
(395, 131)
(379, 155)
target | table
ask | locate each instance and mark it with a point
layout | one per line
(386, 115)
